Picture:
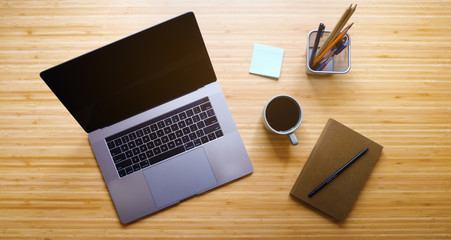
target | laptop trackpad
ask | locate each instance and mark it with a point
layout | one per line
(180, 177)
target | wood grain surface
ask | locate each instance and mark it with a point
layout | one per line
(397, 93)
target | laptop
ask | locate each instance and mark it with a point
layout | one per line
(156, 118)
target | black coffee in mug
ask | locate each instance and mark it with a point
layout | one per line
(282, 113)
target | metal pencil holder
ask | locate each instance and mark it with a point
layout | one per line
(339, 64)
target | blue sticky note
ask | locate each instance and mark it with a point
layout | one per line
(266, 61)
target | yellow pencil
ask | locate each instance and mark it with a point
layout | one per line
(342, 34)
(337, 29)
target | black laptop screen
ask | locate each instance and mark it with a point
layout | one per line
(133, 74)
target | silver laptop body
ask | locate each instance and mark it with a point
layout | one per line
(155, 158)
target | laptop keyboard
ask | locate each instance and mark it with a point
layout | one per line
(163, 137)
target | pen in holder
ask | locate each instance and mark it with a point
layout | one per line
(339, 64)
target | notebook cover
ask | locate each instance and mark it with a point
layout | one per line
(336, 145)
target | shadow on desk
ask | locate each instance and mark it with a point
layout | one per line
(313, 209)
(280, 144)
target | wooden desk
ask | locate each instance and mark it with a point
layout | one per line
(397, 93)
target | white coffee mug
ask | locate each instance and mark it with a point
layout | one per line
(283, 115)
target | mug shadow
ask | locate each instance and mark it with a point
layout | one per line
(280, 144)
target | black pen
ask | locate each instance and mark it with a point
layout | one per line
(319, 34)
(336, 173)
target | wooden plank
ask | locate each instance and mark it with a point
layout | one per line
(397, 93)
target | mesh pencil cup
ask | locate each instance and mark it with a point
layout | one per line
(339, 64)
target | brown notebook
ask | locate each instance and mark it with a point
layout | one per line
(336, 145)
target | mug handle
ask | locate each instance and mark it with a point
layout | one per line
(293, 139)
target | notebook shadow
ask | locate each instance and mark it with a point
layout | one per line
(311, 208)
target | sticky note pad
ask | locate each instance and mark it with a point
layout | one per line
(266, 61)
